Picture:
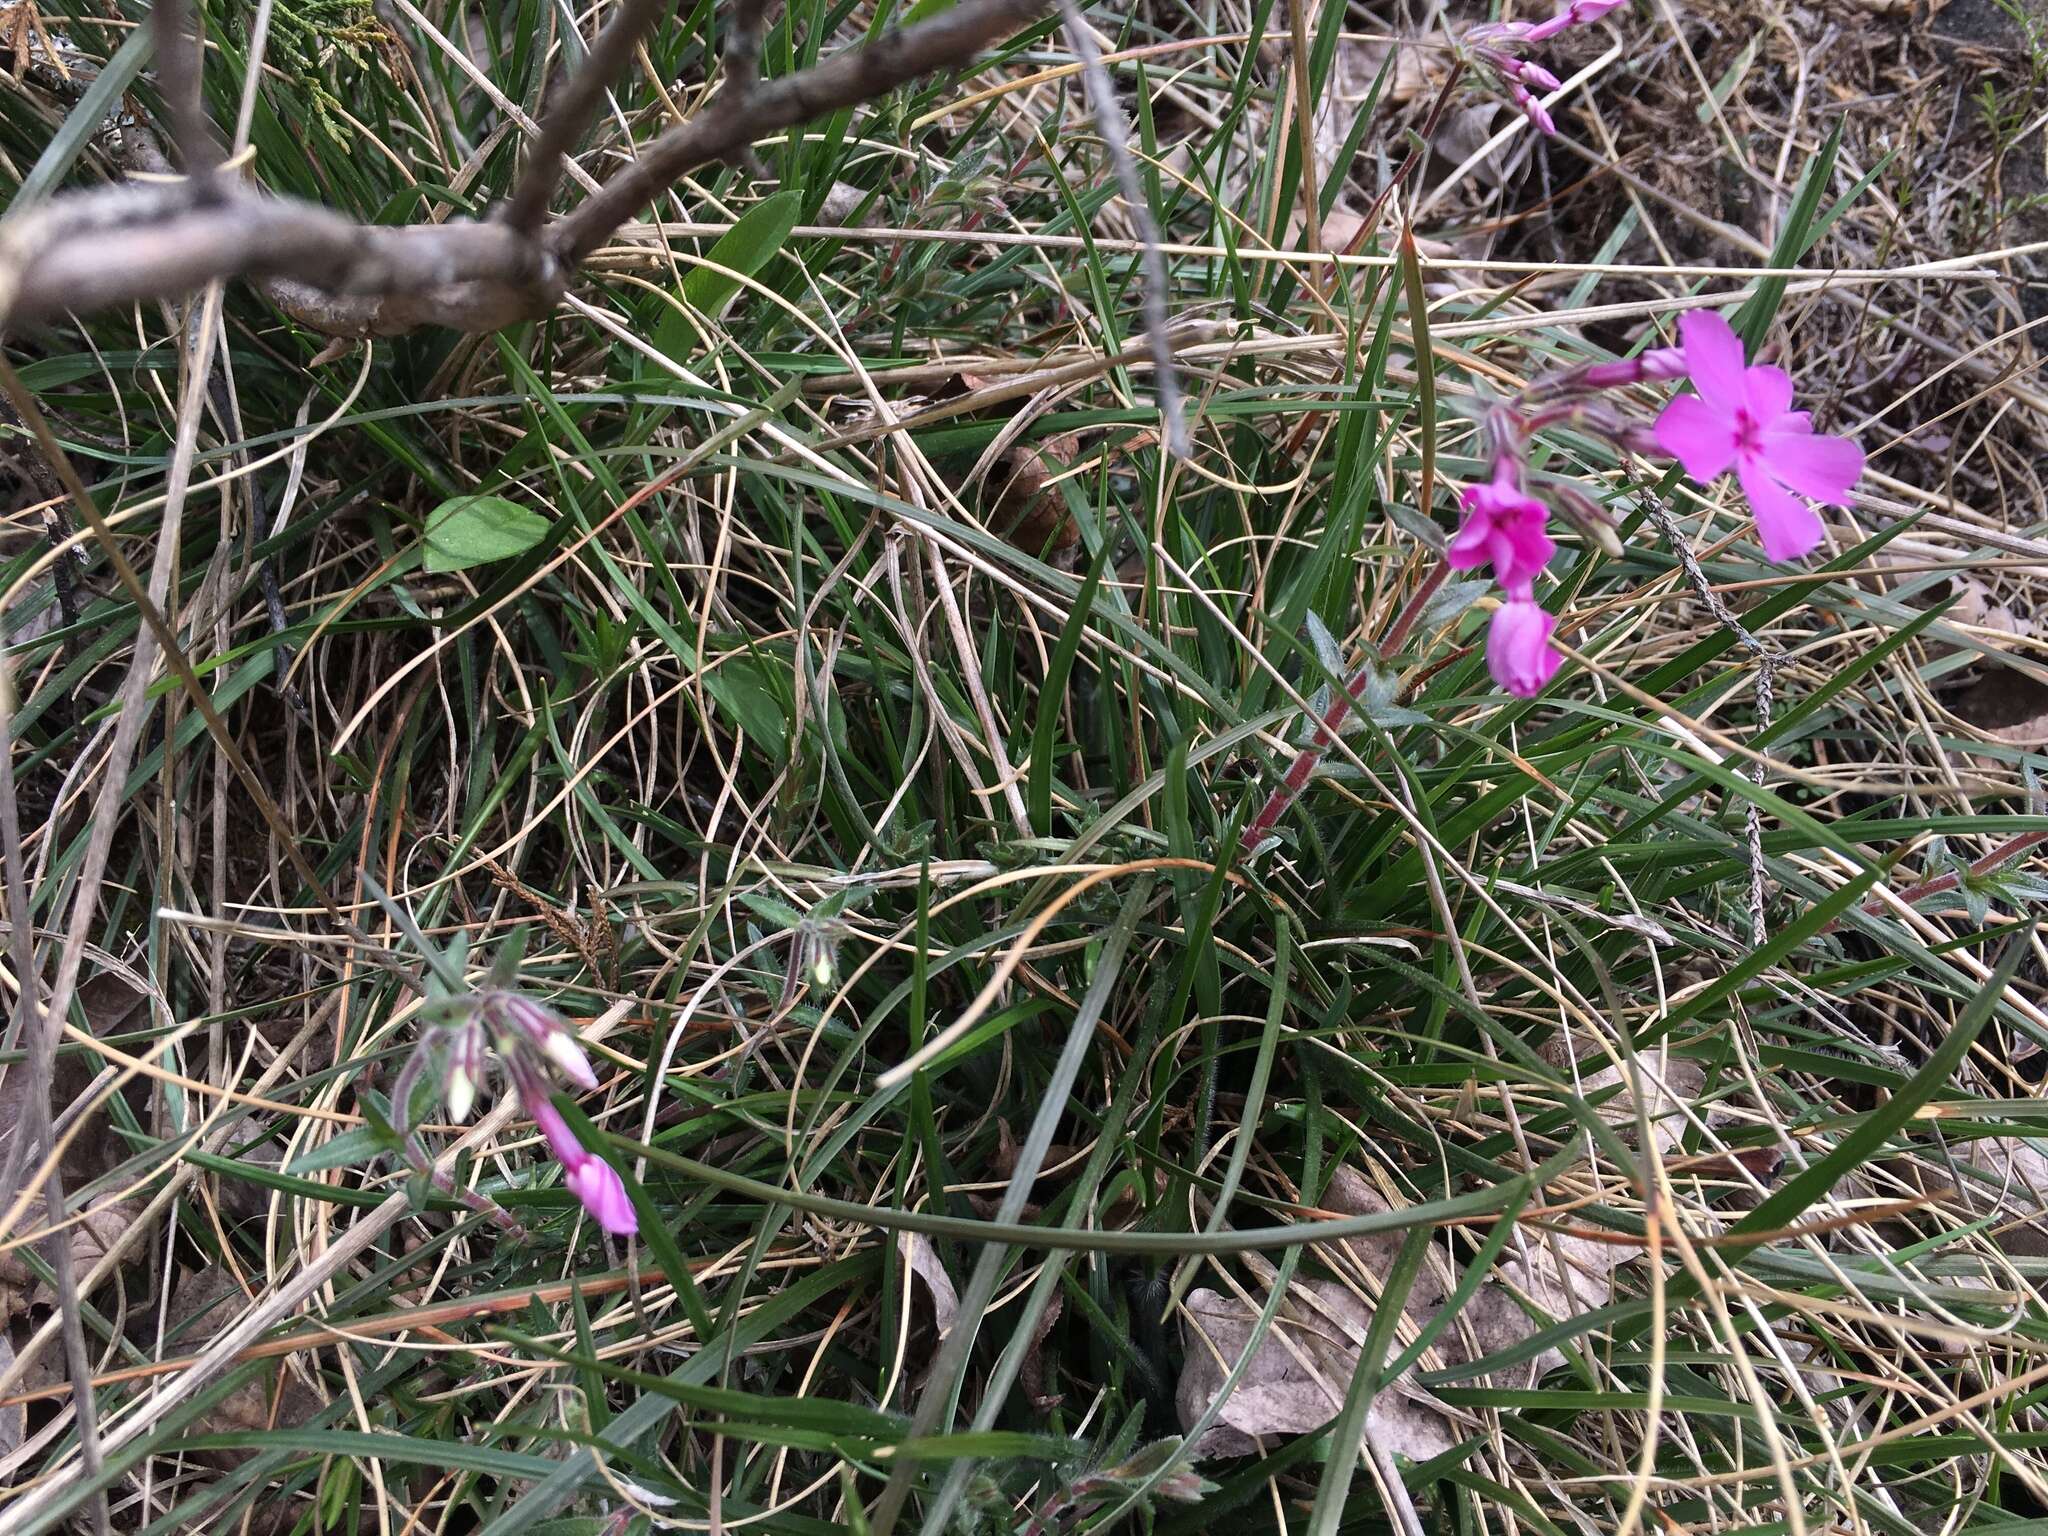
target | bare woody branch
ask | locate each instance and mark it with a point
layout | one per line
(844, 80)
(744, 36)
(610, 56)
(94, 249)
(180, 51)
(129, 242)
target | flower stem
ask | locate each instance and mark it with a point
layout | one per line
(2003, 854)
(1304, 765)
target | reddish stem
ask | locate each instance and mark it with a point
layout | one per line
(2004, 853)
(1303, 768)
(1391, 646)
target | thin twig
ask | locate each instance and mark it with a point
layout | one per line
(33, 1131)
(743, 43)
(1109, 121)
(846, 79)
(566, 119)
(180, 57)
(92, 250)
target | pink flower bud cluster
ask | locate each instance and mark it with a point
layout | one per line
(530, 1039)
(1740, 417)
(1492, 46)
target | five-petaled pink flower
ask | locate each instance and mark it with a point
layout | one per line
(1743, 416)
(1518, 652)
(589, 1178)
(1504, 526)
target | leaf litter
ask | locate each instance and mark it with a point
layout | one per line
(1296, 1379)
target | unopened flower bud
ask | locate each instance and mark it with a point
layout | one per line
(564, 1052)
(1592, 520)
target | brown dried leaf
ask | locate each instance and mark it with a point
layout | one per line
(92, 1233)
(922, 1260)
(13, 1417)
(206, 1302)
(108, 1003)
(1026, 511)
(1296, 1379)
(1031, 1369)
(2007, 706)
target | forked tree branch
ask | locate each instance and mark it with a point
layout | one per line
(89, 250)
(602, 68)
(727, 128)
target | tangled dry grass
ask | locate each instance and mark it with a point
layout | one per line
(878, 694)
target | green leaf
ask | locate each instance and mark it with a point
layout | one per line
(1753, 321)
(475, 530)
(363, 1144)
(745, 248)
(741, 689)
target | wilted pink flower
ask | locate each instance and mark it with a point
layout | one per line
(1492, 41)
(589, 1178)
(1657, 363)
(1503, 525)
(1743, 416)
(1518, 652)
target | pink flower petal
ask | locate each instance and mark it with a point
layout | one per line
(564, 1052)
(561, 1140)
(1518, 652)
(1713, 356)
(603, 1193)
(1527, 549)
(1700, 437)
(1789, 528)
(1768, 392)
(1821, 467)
(1469, 549)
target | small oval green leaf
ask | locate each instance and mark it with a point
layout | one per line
(745, 248)
(475, 530)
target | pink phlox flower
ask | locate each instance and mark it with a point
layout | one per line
(589, 1178)
(1576, 14)
(1504, 527)
(1533, 75)
(1743, 416)
(1518, 652)
(1491, 41)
